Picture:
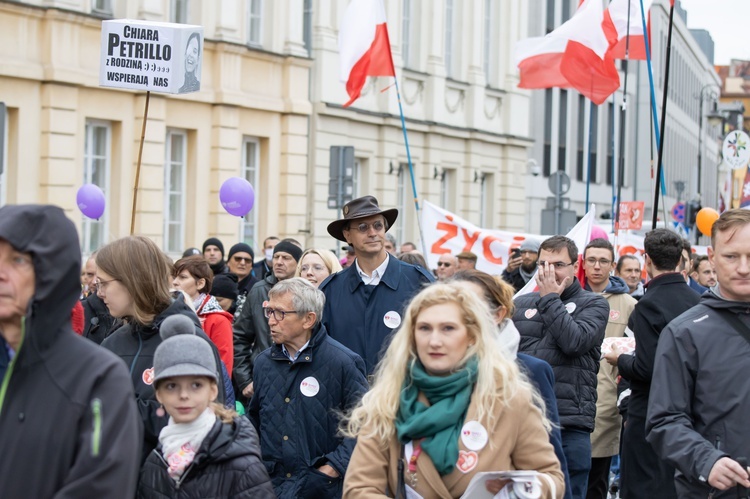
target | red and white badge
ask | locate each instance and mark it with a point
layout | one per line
(614, 315)
(392, 319)
(309, 387)
(474, 435)
(530, 313)
(467, 461)
(148, 376)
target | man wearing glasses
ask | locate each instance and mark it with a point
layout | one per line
(446, 266)
(564, 325)
(366, 301)
(302, 384)
(598, 262)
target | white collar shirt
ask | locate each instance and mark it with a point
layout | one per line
(377, 274)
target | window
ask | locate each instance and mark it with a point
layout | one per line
(610, 143)
(562, 136)
(549, 24)
(450, 40)
(250, 172)
(178, 12)
(359, 178)
(489, 69)
(547, 160)
(580, 157)
(408, 50)
(96, 159)
(448, 189)
(254, 22)
(307, 20)
(486, 196)
(403, 183)
(102, 6)
(175, 170)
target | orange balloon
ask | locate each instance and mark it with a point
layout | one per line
(705, 219)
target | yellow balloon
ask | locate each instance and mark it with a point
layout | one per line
(705, 219)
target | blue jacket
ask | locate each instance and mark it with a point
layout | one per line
(354, 313)
(298, 427)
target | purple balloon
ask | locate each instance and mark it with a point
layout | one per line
(237, 196)
(90, 200)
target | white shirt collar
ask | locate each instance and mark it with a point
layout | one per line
(377, 274)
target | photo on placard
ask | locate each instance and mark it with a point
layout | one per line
(192, 64)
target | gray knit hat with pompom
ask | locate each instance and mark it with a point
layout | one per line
(182, 352)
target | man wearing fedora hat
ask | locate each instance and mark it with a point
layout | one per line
(365, 302)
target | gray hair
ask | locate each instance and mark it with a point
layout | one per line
(306, 298)
(391, 238)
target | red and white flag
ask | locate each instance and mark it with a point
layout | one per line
(364, 47)
(575, 55)
(615, 26)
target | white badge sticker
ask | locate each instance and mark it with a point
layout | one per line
(392, 319)
(474, 436)
(530, 313)
(570, 307)
(309, 387)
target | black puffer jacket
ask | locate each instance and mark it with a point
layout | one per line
(567, 331)
(136, 345)
(226, 465)
(98, 324)
(69, 426)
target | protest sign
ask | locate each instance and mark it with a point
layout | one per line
(151, 56)
(631, 215)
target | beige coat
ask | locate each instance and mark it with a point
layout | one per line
(517, 440)
(605, 440)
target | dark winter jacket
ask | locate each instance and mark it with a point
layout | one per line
(261, 269)
(251, 332)
(69, 425)
(227, 465)
(298, 425)
(355, 313)
(98, 324)
(136, 345)
(667, 296)
(700, 395)
(696, 286)
(566, 331)
(514, 278)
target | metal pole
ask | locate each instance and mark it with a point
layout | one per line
(558, 201)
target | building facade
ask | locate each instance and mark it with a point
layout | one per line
(269, 109)
(570, 133)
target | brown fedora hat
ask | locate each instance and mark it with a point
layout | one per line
(363, 207)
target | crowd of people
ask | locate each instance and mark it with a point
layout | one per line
(306, 375)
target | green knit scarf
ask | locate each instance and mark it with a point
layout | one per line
(439, 425)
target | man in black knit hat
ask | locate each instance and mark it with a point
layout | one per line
(213, 252)
(240, 262)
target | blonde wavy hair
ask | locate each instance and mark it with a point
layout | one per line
(498, 380)
(332, 263)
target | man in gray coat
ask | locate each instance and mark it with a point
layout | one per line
(700, 401)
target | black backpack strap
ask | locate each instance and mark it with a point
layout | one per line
(735, 322)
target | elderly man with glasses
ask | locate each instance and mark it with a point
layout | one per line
(446, 266)
(564, 325)
(302, 384)
(366, 301)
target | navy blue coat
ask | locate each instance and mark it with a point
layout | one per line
(298, 431)
(354, 313)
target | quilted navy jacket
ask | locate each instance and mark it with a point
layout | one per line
(296, 407)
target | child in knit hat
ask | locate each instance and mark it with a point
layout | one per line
(205, 450)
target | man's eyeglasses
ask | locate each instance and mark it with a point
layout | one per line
(603, 262)
(277, 314)
(364, 228)
(557, 265)
(443, 264)
(240, 259)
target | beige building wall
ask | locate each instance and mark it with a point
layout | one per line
(49, 83)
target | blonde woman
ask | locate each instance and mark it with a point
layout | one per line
(446, 404)
(316, 265)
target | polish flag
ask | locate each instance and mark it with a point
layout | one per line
(615, 25)
(572, 56)
(364, 48)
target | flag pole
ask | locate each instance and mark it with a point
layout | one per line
(411, 167)
(623, 120)
(665, 94)
(138, 165)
